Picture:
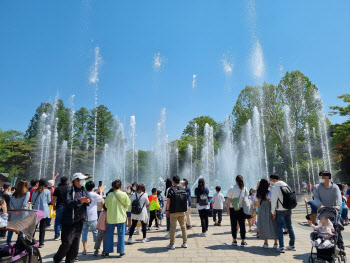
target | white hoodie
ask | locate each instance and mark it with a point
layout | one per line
(276, 197)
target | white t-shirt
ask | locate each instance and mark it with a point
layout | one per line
(143, 203)
(235, 192)
(92, 208)
(218, 201)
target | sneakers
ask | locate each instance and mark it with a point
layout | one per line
(203, 234)
(56, 238)
(291, 248)
(234, 243)
(41, 245)
(76, 259)
(184, 245)
(144, 240)
(106, 255)
(103, 253)
(137, 232)
(244, 244)
(148, 228)
(129, 240)
(167, 236)
(172, 247)
(96, 253)
(281, 249)
(275, 246)
(266, 245)
(84, 252)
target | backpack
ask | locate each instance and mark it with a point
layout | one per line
(248, 205)
(289, 198)
(136, 208)
(203, 199)
(179, 200)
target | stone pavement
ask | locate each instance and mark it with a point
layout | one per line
(216, 247)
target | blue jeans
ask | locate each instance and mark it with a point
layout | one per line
(9, 237)
(344, 213)
(284, 218)
(92, 226)
(59, 212)
(110, 237)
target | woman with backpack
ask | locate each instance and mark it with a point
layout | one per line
(268, 227)
(235, 196)
(203, 205)
(139, 212)
(41, 198)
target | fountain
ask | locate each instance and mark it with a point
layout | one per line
(63, 157)
(133, 153)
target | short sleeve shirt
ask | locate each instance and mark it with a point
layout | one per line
(61, 194)
(171, 192)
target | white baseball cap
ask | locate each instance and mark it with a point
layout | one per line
(80, 176)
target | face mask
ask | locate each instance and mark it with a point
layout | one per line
(322, 180)
(128, 191)
(82, 182)
(134, 188)
(272, 183)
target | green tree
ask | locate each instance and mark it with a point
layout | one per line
(105, 125)
(341, 138)
(81, 122)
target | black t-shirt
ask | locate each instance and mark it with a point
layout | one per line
(171, 192)
(61, 194)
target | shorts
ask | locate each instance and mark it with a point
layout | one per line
(128, 214)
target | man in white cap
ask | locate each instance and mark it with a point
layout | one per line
(73, 217)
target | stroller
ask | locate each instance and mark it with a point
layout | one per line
(336, 253)
(25, 250)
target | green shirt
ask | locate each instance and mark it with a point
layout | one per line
(116, 212)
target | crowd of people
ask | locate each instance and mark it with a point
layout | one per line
(81, 207)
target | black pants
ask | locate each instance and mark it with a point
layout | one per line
(168, 223)
(42, 229)
(219, 212)
(133, 226)
(204, 216)
(153, 216)
(237, 216)
(70, 238)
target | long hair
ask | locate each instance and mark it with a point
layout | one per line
(262, 190)
(201, 186)
(141, 188)
(240, 182)
(21, 189)
(168, 183)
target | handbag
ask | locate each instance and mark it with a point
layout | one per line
(52, 212)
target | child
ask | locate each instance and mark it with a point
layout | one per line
(153, 207)
(323, 234)
(252, 218)
(161, 203)
(101, 235)
(129, 192)
(218, 205)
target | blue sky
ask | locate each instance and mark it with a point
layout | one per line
(48, 47)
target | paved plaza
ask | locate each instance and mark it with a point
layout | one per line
(216, 247)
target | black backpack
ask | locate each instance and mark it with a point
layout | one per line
(136, 208)
(203, 199)
(289, 198)
(179, 200)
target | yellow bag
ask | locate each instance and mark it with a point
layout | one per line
(52, 212)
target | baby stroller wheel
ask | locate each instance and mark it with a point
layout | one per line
(311, 259)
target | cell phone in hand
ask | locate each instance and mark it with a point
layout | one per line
(99, 183)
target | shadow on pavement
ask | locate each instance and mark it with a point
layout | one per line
(154, 250)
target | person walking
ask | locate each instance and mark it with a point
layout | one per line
(203, 205)
(189, 203)
(41, 198)
(218, 205)
(154, 206)
(19, 200)
(268, 227)
(91, 213)
(175, 208)
(140, 202)
(116, 204)
(235, 196)
(58, 200)
(327, 193)
(282, 215)
(73, 217)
